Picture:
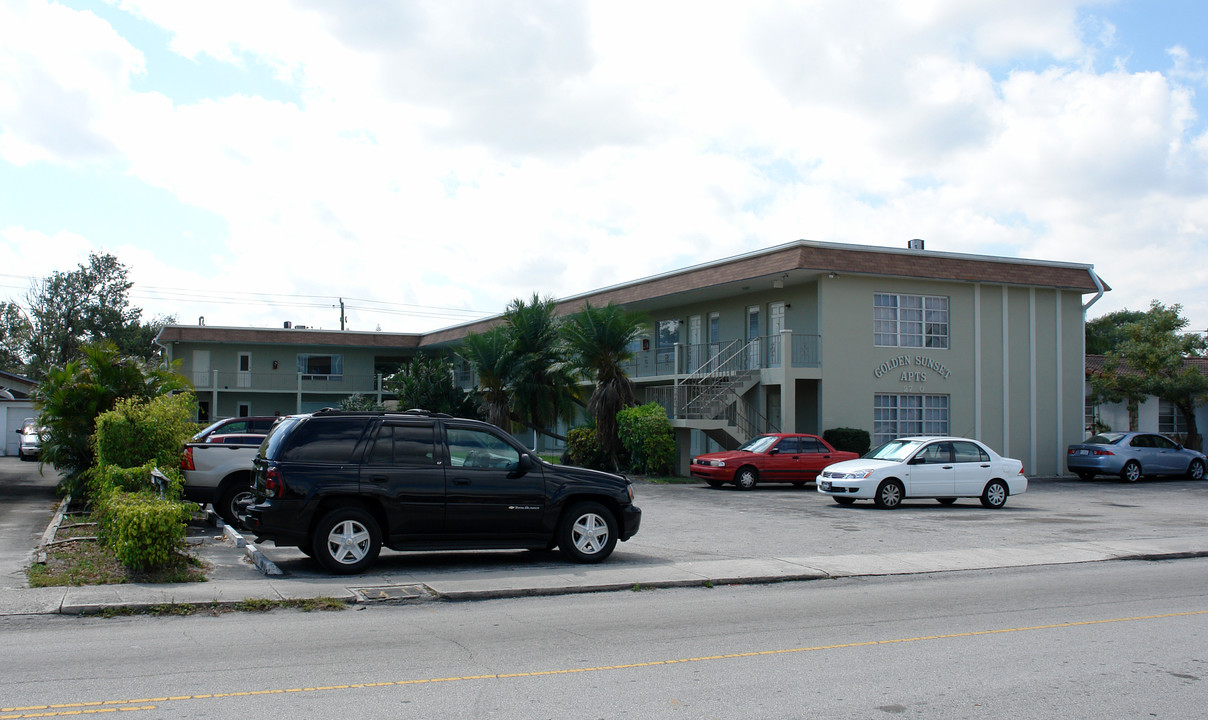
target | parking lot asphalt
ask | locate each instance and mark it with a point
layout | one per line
(691, 535)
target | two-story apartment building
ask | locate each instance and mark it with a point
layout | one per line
(239, 371)
(803, 337)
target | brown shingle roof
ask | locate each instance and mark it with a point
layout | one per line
(1097, 364)
(823, 257)
(799, 255)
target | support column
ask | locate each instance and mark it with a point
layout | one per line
(788, 385)
(683, 447)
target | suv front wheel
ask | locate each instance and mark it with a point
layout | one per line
(587, 533)
(347, 540)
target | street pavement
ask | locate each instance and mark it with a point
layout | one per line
(691, 535)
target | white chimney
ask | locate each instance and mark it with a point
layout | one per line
(915, 244)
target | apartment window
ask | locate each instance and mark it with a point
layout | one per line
(1170, 420)
(321, 367)
(916, 321)
(904, 415)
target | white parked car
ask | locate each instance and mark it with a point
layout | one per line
(944, 468)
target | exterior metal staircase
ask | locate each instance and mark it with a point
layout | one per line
(711, 397)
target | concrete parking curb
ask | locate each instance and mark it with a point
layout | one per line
(262, 563)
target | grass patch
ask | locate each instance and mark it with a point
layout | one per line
(323, 604)
(89, 562)
(669, 480)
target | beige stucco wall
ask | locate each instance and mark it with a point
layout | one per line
(1012, 370)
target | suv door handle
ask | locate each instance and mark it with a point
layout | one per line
(460, 481)
(377, 478)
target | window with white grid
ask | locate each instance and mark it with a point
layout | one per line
(897, 416)
(910, 320)
(1170, 420)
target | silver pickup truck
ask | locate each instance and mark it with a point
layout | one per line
(219, 472)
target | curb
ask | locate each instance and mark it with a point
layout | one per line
(262, 563)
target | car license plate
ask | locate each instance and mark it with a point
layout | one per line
(1084, 451)
(826, 486)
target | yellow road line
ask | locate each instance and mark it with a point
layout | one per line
(108, 706)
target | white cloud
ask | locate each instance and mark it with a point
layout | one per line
(455, 154)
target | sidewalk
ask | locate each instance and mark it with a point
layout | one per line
(557, 577)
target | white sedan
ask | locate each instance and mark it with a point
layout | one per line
(944, 468)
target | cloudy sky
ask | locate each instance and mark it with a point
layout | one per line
(428, 161)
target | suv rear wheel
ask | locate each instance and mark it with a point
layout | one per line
(587, 533)
(347, 540)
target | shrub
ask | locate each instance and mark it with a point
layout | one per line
(138, 431)
(72, 397)
(142, 529)
(647, 436)
(357, 401)
(107, 478)
(583, 447)
(850, 439)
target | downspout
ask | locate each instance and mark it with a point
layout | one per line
(1086, 306)
(1098, 286)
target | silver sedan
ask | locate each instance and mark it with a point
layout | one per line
(1132, 455)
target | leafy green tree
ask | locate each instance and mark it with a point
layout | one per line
(15, 330)
(542, 381)
(72, 397)
(599, 340)
(358, 401)
(1117, 383)
(68, 309)
(1151, 359)
(427, 383)
(1104, 334)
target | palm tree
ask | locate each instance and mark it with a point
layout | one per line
(543, 383)
(600, 341)
(71, 398)
(491, 355)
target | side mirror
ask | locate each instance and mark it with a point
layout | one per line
(523, 467)
(917, 460)
(774, 451)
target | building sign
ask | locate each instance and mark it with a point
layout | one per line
(914, 368)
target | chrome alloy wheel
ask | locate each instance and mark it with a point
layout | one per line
(348, 542)
(589, 533)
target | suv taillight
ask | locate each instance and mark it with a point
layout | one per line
(186, 460)
(272, 482)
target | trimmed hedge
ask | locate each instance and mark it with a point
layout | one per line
(137, 431)
(850, 439)
(142, 529)
(104, 478)
(647, 436)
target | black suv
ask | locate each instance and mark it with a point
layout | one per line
(339, 485)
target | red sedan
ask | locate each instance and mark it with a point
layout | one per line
(776, 457)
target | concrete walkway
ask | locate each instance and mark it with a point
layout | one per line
(555, 577)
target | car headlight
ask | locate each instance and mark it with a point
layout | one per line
(721, 463)
(853, 475)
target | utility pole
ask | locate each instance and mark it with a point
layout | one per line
(342, 318)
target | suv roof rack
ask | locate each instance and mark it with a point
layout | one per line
(381, 413)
